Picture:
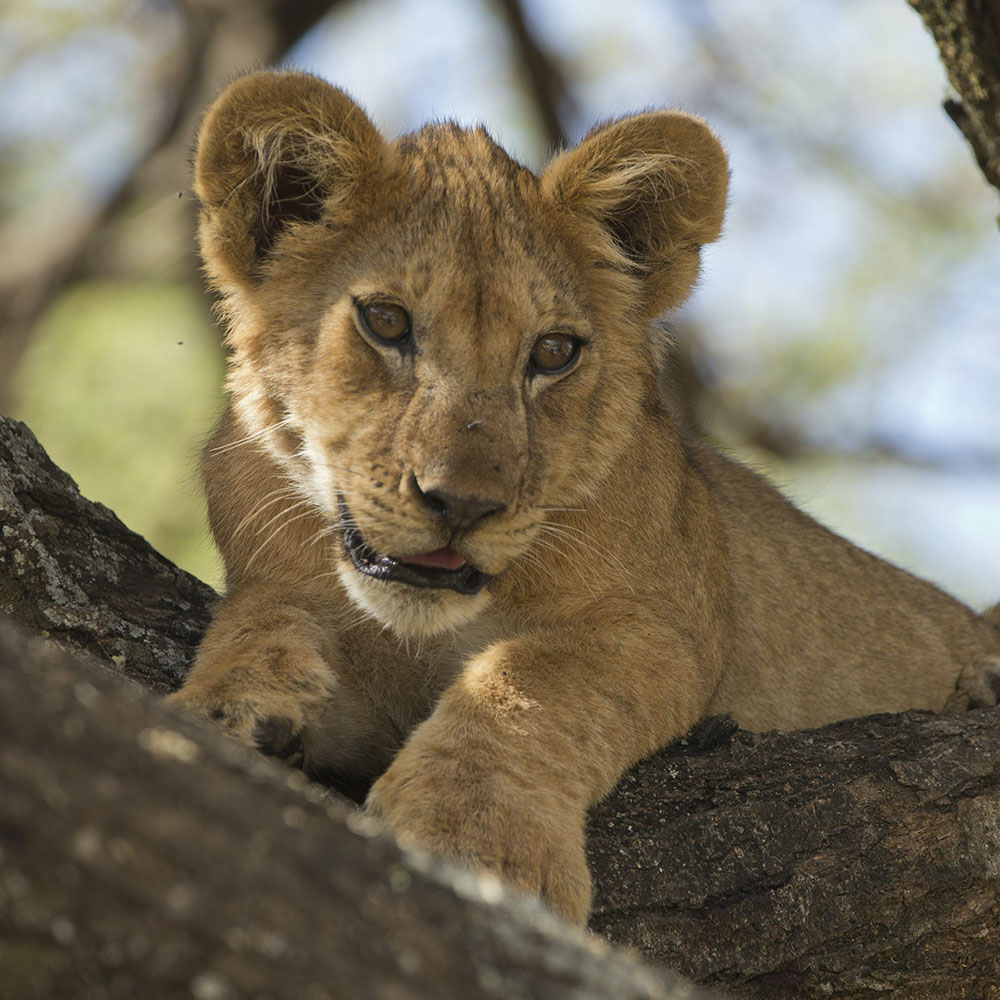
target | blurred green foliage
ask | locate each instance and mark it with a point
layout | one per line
(122, 384)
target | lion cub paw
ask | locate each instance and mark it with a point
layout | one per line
(978, 686)
(269, 702)
(486, 822)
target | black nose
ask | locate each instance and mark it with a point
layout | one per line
(458, 511)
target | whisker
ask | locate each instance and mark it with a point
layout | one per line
(326, 531)
(325, 461)
(252, 436)
(579, 536)
(304, 502)
(283, 493)
(576, 536)
(552, 547)
(281, 527)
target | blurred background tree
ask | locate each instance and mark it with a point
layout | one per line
(844, 338)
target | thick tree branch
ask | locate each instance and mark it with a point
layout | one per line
(857, 860)
(146, 856)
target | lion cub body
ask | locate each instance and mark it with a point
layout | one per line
(465, 544)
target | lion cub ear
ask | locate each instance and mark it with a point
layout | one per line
(275, 151)
(655, 185)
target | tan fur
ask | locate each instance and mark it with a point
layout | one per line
(641, 581)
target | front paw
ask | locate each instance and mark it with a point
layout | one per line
(478, 813)
(978, 686)
(264, 698)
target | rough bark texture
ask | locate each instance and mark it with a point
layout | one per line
(144, 856)
(138, 849)
(967, 33)
(70, 569)
(857, 860)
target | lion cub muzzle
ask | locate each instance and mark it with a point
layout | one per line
(457, 510)
(442, 569)
(466, 452)
(463, 472)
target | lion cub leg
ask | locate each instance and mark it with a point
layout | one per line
(531, 734)
(269, 674)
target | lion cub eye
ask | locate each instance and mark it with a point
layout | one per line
(554, 353)
(385, 321)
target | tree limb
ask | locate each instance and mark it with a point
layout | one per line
(967, 33)
(145, 856)
(220, 39)
(547, 85)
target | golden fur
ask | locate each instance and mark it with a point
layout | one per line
(638, 581)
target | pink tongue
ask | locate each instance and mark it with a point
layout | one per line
(438, 559)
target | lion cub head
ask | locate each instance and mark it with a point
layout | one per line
(439, 347)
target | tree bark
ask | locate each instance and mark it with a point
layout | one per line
(860, 860)
(967, 33)
(71, 570)
(549, 90)
(145, 856)
(857, 860)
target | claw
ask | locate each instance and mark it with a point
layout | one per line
(275, 737)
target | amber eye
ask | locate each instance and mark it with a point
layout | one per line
(554, 352)
(385, 321)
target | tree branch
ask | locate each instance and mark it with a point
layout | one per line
(546, 83)
(220, 39)
(146, 856)
(967, 33)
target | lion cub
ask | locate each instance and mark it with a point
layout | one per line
(465, 545)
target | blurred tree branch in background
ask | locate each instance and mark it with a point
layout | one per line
(549, 90)
(219, 37)
(704, 406)
(967, 35)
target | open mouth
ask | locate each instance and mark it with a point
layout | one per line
(443, 569)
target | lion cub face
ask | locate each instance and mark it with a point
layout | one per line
(440, 348)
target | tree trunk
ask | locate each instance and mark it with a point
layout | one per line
(860, 860)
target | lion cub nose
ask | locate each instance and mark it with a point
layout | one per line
(458, 511)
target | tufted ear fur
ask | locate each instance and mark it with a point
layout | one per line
(275, 151)
(655, 185)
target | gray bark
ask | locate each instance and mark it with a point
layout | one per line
(71, 570)
(859, 860)
(140, 849)
(142, 855)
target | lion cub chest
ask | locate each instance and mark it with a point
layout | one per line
(408, 676)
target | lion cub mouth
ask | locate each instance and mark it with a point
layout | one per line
(442, 569)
